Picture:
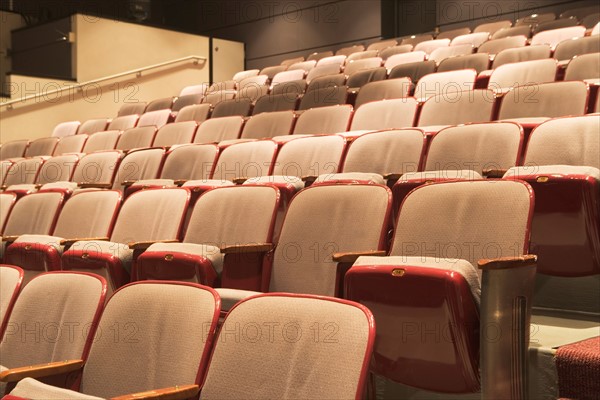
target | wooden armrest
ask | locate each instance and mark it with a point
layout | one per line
(41, 370)
(172, 393)
(247, 248)
(353, 256)
(148, 243)
(128, 183)
(309, 178)
(239, 180)
(69, 242)
(507, 262)
(37, 186)
(391, 175)
(494, 173)
(180, 182)
(93, 185)
(10, 238)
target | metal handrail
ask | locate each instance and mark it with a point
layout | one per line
(79, 86)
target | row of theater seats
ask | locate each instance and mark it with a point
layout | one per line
(162, 339)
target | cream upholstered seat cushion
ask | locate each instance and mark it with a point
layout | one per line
(352, 176)
(462, 267)
(385, 114)
(230, 297)
(208, 182)
(553, 170)
(300, 348)
(118, 250)
(310, 156)
(155, 182)
(295, 182)
(25, 187)
(448, 174)
(53, 241)
(210, 252)
(32, 389)
(70, 186)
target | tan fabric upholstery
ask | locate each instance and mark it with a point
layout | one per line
(492, 27)
(391, 51)
(287, 76)
(397, 151)
(479, 62)
(495, 46)
(24, 170)
(272, 71)
(42, 147)
(465, 220)
(190, 162)
(475, 147)
(97, 167)
(157, 118)
(474, 39)
(442, 53)
(4, 167)
(430, 45)
(310, 156)
(93, 125)
(31, 389)
(10, 282)
(13, 149)
(51, 318)
(320, 221)
(231, 107)
(361, 55)
(555, 36)
(350, 50)
(268, 125)
(446, 174)
(553, 170)
(303, 65)
(175, 133)
(65, 129)
(194, 89)
(383, 90)
(446, 83)
(523, 73)
(458, 108)
(523, 30)
(520, 102)
(565, 141)
(230, 297)
(291, 61)
(137, 165)
(245, 160)
(56, 169)
(385, 114)
(344, 177)
(70, 144)
(327, 96)
(88, 214)
(586, 66)
(535, 19)
(383, 44)
(326, 120)
(240, 76)
(187, 100)
(360, 78)
(282, 358)
(132, 108)
(7, 201)
(124, 122)
(415, 39)
(215, 130)
(404, 58)
(318, 56)
(522, 54)
(101, 141)
(365, 63)
(34, 213)
(322, 70)
(568, 49)
(196, 112)
(453, 33)
(327, 81)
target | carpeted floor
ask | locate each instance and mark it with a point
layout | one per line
(578, 367)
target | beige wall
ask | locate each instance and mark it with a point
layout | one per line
(19, 86)
(8, 22)
(228, 58)
(106, 47)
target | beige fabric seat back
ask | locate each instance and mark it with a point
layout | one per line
(11, 279)
(535, 19)
(555, 36)
(13, 149)
(34, 214)
(151, 214)
(568, 49)
(337, 369)
(215, 130)
(522, 54)
(404, 58)
(346, 51)
(252, 92)
(187, 100)
(215, 97)
(240, 76)
(236, 106)
(458, 108)
(196, 112)
(62, 305)
(160, 104)
(157, 118)
(100, 141)
(233, 215)
(93, 125)
(586, 66)
(123, 122)
(303, 65)
(74, 220)
(290, 88)
(382, 44)
(270, 72)
(190, 162)
(276, 102)
(475, 147)
(385, 114)
(365, 63)
(66, 129)
(167, 330)
(495, 46)
(479, 62)
(520, 102)
(524, 30)
(268, 125)
(42, 147)
(57, 169)
(556, 24)
(475, 39)
(310, 156)
(137, 108)
(321, 221)
(360, 78)
(245, 160)
(465, 220)
(453, 33)
(70, 144)
(440, 54)
(324, 97)
(136, 138)
(291, 61)
(194, 89)
(138, 165)
(565, 141)
(416, 39)
(319, 55)
(288, 76)
(492, 27)
(4, 168)
(361, 55)
(7, 201)
(23, 171)
(446, 83)
(327, 120)
(175, 133)
(430, 45)
(322, 70)
(383, 90)
(523, 73)
(392, 51)
(97, 167)
(398, 152)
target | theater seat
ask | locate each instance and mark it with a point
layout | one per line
(391, 51)
(384, 90)
(93, 125)
(100, 141)
(66, 129)
(215, 130)
(11, 280)
(385, 114)
(41, 147)
(135, 138)
(196, 112)
(70, 144)
(13, 149)
(167, 332)
(324, 120)
(175, 133)
(54, 169)
(445, 83)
